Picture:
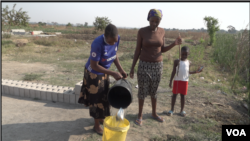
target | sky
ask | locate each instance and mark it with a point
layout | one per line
(179, 15)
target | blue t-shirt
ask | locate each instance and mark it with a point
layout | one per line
(102, 52)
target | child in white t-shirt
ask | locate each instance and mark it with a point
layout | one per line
(181, 80)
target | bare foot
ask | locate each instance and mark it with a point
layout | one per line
(98, 129)
(101, 121)
(158, 118)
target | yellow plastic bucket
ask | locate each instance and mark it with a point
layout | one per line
(114, 133)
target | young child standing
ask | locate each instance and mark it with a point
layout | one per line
(181, 81)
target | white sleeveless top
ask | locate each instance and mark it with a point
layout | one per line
(183, 74)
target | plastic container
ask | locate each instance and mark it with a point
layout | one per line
(115, 133)
(120, 94)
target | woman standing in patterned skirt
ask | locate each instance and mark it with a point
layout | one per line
(96, 75)
(150, 45)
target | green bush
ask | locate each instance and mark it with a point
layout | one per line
(212, 28)
(6, 42)
(232, 52)
(94, 32)
(189, 40)
(202, 40)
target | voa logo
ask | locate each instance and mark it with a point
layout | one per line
(236, 132)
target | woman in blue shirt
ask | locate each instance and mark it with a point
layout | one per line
(96, 75)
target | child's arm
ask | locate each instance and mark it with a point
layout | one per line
(193, 72)
(173, 72)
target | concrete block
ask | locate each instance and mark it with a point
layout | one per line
(16, 89)
(37, 32)
(66, 97)
(72, 96)
(72, 99)
(60, 95)
(5, 87)
(24, 82)
(27, 91)
(21, 90)
(44, 85)
(3, 82)
(19, 81)
(18, 33)
(38, 84)
(33, 91)
(38, 92)
(33, 84)
(43, 93)
(28, 83)
(17, 30)
(58, 87)
(14, 81)
(11, 88)
(54, 87)
(54, 94)
(78, 87)
(48, 86)
(48, 94)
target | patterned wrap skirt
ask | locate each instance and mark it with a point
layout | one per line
(148, 77)
(93, 94)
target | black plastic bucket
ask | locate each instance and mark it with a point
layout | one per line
(120, 94)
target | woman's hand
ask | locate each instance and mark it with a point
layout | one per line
(131, 73)
(123, 73)
(117, 75)
(178, 40)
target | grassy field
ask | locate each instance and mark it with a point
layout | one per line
(68, 53)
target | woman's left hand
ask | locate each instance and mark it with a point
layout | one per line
(178, 40)
(124, 74)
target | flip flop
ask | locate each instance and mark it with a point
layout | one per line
(138, 122)
(183, 113)
(99, 133)
(170, 113)
(158, 118)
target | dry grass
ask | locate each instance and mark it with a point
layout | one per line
(69, 57)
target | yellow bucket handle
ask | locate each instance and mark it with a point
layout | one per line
(120, 129)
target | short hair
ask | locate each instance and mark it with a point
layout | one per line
(185, 48)
(111, 31)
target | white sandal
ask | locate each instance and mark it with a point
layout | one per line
(183, 113)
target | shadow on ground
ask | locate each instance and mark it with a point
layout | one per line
(50, 103)
(55, 131)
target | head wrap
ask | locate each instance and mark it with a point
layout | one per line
(155, 12)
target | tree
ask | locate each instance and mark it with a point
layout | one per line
(79, 25)
(69, 25)
(54, 23)
(85, 24)
(41, 23)
(14, 17)
(101, 22)
(212, 27)
(231, 29)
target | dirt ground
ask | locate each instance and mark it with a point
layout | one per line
(45, 120)
(16, 71)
